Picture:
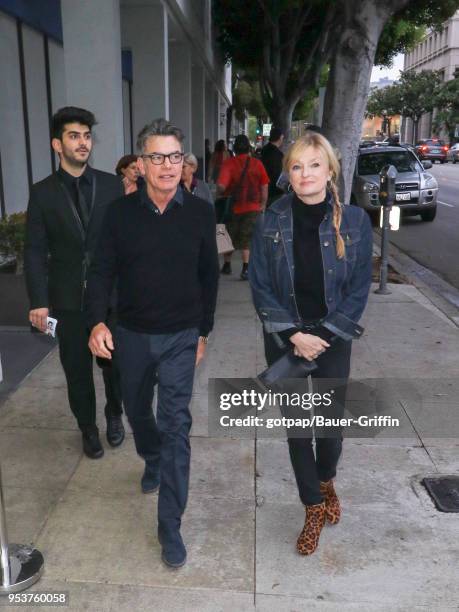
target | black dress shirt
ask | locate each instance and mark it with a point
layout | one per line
(85, 185)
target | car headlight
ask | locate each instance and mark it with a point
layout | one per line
(430, 182)
(370, 187)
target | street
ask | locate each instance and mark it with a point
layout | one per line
(435, 245)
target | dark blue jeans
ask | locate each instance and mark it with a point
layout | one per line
(162, 442)
(312, 469)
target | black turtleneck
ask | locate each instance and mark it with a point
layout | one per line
(309, 273)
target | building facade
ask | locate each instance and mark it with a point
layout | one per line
(128, 61)
(437, 51)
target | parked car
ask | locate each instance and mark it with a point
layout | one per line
(433, 149)
(453, 153)
(416, 189)
(367, 143)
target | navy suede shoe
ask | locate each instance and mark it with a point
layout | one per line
(150, 480)
(174, 551)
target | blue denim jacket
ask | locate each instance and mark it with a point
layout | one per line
(346, 281)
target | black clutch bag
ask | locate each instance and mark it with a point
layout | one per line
(287, 366)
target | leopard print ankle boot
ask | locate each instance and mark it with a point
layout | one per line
(308, 539)
(332, 505)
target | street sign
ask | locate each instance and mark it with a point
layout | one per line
(266, 128)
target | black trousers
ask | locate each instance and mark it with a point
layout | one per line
(77, 361)
(312, 469)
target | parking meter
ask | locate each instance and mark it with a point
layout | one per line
(387, 179)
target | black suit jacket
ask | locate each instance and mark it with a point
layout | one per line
(57, 250)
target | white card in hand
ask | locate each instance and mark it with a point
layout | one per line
(51, 326)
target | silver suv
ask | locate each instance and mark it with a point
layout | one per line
(416, 189)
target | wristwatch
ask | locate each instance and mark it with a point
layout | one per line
(204, 339)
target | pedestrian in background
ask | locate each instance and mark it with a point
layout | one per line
(127, 168)
(271, 157)
(207, 156)
(160, 244)
(64, 218)
(310, 274)
(243, 179)
(217, 158)
(192, 184)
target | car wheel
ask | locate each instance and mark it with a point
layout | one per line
(442, 161)
(429, 215)
(454, 160)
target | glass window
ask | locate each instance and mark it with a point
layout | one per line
(373, 163)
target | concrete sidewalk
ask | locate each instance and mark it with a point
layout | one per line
(391, 551)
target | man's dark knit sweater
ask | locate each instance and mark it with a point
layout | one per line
(166, 265)
(309, 272)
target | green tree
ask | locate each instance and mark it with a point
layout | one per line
(12, 237)
(363, 39)
(384, 102)
(290, 41)
(284, 42)
(446, 100)
(417, 95)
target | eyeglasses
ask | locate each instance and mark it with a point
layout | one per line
(159, 158)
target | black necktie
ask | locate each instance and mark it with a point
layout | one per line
(81, 204)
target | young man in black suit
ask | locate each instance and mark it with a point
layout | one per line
(64, 218)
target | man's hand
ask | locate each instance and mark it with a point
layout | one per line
(200, 352)
(101, 341)
(308, 345)
(38, 318)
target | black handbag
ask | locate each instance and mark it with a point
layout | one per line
(287, 366)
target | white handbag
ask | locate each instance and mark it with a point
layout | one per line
(224, 242)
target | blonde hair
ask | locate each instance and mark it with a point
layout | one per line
(317, 141)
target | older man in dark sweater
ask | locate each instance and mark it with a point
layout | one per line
(159, 242)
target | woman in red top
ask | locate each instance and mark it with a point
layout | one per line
(217, 158)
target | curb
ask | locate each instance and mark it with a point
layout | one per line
(442, 295)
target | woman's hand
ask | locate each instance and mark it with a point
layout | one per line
(308, 345)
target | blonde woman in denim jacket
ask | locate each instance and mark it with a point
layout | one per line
(310, 275)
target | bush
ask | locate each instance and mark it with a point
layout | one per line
(12, 237)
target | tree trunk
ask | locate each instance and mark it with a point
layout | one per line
(415, 130)
(349, 81)
(229, 123)
(19, 264)
(281, 117)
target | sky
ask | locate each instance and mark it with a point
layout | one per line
(392, 73)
